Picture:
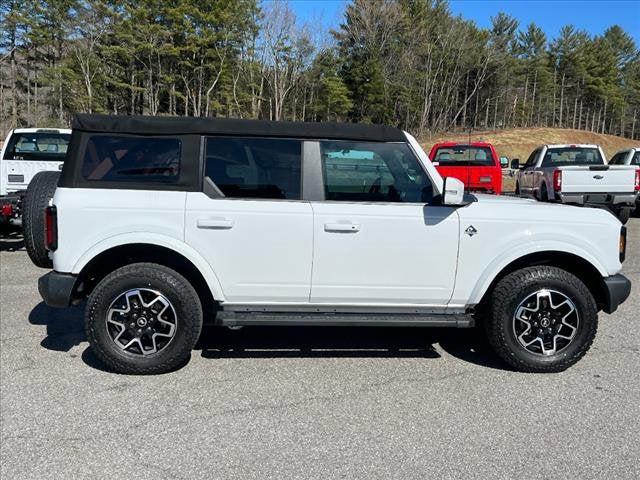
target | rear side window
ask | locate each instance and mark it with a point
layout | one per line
(132, 159)
(38, 146)
(373, 172)
(255, 167)
(464, 156)
(636, 159)
(618, 158)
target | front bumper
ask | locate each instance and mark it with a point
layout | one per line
(56, 289)
(617, 290)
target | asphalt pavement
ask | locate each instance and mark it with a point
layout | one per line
(311, 402)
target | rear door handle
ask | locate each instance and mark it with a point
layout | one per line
(341, 227)
(215, 223)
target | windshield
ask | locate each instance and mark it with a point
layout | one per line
(463, 155)
(38, 146)
(558, 157)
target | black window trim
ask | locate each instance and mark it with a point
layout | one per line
(211, 190)
(188, 178)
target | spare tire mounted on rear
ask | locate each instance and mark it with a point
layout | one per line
(39, 194)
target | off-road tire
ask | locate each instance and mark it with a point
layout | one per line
(544, 193)
(514, 288)
(175, 288)
(624, 214)
(39, 193)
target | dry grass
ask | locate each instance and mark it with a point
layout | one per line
(520, 142)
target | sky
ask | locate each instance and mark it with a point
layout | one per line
(594, 16)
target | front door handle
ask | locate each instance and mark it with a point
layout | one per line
(215, 223)
(341, 227)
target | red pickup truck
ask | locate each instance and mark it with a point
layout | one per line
(477, 164)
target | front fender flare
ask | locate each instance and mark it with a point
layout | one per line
(500, 263)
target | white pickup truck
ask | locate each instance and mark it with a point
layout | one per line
(25, 152)
(580, 175)
(630, 156)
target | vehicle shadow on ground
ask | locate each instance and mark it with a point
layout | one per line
(11, 238)
(65, 326)
(347, 342)
(65, 330)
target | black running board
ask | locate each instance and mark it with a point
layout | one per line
(236, 319)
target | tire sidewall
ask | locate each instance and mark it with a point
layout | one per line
(587, 318)
(187, 321)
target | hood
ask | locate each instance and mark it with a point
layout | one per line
(519, 209)
(503, 199)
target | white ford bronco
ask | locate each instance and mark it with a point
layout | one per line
(579, 175)
(159, 223)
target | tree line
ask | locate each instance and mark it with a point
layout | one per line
(409, 63)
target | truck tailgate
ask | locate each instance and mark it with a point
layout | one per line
(598, 179)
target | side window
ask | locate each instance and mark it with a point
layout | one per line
(618, 158)
(636, 159)
(373, 172)
(531, 161)
(255, 167)
(132, 159)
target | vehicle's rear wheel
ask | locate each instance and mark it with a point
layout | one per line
(39, 192)
(143, 318)
(541, 319)
(544, 194)
(623, 214)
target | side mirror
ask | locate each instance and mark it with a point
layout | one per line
(504, 162)
(515, 164)
(453, 191)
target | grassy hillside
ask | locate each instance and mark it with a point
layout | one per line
(520, 142)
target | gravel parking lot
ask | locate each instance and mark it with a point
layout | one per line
(312, 402)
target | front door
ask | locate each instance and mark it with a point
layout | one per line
(376, 238)
(250, 222)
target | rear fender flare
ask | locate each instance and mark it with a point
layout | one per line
(159, 240)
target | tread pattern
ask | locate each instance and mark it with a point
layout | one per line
(39, 192)
(509, 292)
(188, 310)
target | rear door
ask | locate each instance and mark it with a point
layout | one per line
(30, 152)
(378, 236)
(250, 223)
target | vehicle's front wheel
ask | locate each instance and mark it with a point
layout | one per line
(143, 318)
(541, 319)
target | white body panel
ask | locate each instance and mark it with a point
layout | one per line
(510, 228)
(383, 253)
(88, 218)
(26, 168)
(617, 179)
(261, 250)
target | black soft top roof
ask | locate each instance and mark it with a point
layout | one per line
(147, 125)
